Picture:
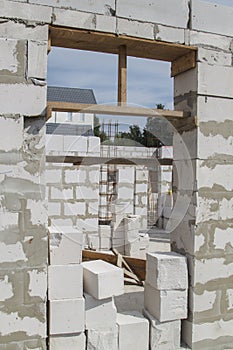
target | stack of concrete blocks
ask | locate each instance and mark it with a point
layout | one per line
(23, 216)
(165, 200)
(73, 191)
(127, 239)
(202, 178)
(65, 290)
(141, 195)
(125, 188)
(153, 195)
(133, 331)
(166, 291)
(105, 237)
(102, 281)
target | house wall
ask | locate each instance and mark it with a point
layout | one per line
(205, 232)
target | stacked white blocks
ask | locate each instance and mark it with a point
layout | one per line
(165, 297)
(102, 281)
(133, 331)
(65, 290)
(127, 239)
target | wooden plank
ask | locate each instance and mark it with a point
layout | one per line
(88, 160)
(122, 74)
(183, 63)
(119, 110)
(109, 43)
(138, 266)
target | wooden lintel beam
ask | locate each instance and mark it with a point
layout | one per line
(183, 63)
(122, 74)
(90, 160)
(120, 110)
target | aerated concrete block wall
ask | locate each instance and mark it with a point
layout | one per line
(23, 215)
(205, 234)
(73, 197)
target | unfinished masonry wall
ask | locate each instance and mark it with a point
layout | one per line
(205, 234)
(23, 216)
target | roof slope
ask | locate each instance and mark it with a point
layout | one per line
(72, 95)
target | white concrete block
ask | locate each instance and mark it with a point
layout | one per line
(141, 188)
(167, 271)
(86, 192)
(37, 59)
(6, 289)
(200, 21)
(100, 314)
(125, 193)
(89, 225)
(53, 176)
(208, 75)
(93, 144)
(75, 144)
(165, 152)
(12, 61)
(105, 231)
(54, 209)
(101, 6)
(17, 30)
(141, 175)
(67, 316)
(105, 23)
(169, 34)
(102, 280)
(163, 335)
(61, 193)
(126, 175)
(73, 342)
(28, 12)
(135, 28)
(213, 57)
(65, 245)
(11, 126)
(75, 176)
(166, 305)
(212, 41)
(65, 282)
(177, 16)
(74, 19)
(77, 208)
(105, 243)
(93, 241)
(22, 95)
(54, 143)
(133, 331)
(102, 340)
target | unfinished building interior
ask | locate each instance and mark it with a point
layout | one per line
(71, 208)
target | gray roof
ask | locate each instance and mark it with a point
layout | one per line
(73, 95)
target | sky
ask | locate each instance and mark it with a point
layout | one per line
(149, 81)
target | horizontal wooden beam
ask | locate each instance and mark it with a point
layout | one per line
(183, 63)
(89, 160)
(109, 43)
(119, 110)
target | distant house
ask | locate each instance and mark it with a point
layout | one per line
(69, 123)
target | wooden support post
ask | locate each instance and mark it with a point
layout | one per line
(122, 74)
